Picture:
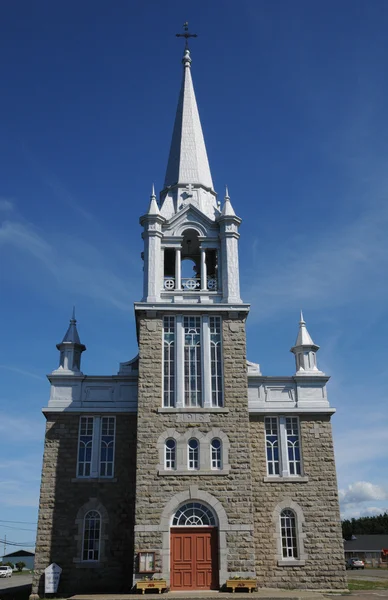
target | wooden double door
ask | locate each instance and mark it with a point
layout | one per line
(194, 558)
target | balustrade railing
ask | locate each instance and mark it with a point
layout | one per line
(190, 284)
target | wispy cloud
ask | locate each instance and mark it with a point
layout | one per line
(358, 447)
(20, 479)
(17, 493)
(6, 205)
(14, 429)
(75, 264)
(329, 273)
(22, 372)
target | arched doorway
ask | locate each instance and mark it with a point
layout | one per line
(194, 548)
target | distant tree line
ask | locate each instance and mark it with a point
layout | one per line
(365, 526)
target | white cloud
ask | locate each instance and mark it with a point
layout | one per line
(362, 491)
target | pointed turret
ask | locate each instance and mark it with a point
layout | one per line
(305, 351)
(188, 179)
(227, 209)
(70, 350)
(153, 207)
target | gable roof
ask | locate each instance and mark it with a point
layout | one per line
(19, 553)
(367, 543)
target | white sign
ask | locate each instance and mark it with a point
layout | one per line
(51, 578)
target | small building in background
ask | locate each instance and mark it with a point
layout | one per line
(373, 549)
(20, 556)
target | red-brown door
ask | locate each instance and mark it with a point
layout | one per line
(194, 564)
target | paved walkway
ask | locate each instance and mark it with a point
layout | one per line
(262, 594)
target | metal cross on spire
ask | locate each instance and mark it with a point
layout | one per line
(186, 34)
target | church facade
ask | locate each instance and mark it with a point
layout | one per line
(189, 465)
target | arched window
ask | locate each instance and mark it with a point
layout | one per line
(170, 454)
(216, 454)
(193, 514)
(91, 536)
(193, 462)
(288, 533)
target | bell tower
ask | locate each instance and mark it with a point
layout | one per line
(193, 450)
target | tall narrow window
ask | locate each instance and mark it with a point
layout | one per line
(272, 445)
(193, 367)
(288, 532)
(91, 537)
(96, 444)
(215, 359)
(85, 445)
(216, 454)
(193, 448)
(293, 445)
(170, 454)
(169, 361)
(107, 442)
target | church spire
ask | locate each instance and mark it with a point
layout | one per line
(188, 162)
(188, 165)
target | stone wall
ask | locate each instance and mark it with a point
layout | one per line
(61, 498)
(231, 492)
(318, 498)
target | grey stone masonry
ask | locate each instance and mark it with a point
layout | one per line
(316, 499)
(64, 500)
(229, 494)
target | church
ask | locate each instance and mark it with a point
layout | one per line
(189, 465)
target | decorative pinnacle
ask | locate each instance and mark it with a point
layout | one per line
(186, 34)
(227, 193)
(302, 321)
(153, 208)
(73, 319)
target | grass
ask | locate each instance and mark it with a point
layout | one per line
(362, 584)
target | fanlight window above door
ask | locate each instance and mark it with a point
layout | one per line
(193, 514)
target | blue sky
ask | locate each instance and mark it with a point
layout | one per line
(293, 102)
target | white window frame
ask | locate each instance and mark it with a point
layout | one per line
(95, 463)
(284, 462)
(216, 455)
(289, 535)
(171, 393)
(193, 455)
(170, 455)
(300, 559)
(99, 538)
(179, 373)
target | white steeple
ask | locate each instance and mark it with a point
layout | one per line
(305, 351)
(70, 350)
(188, 179)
